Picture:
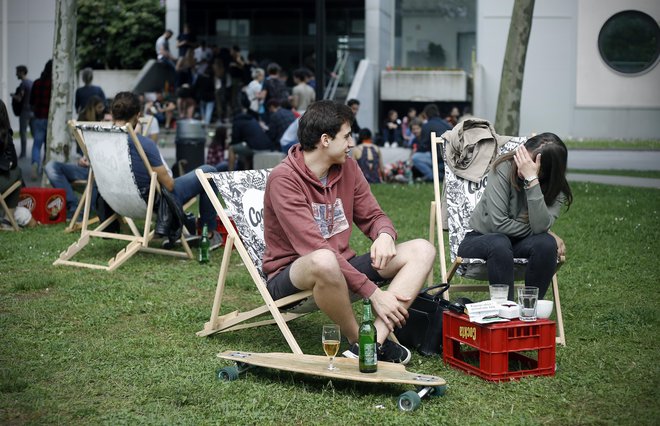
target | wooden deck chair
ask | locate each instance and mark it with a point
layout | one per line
(107, 148)
(144, 123)
(243, 194)
(461, 199)
(8, 214)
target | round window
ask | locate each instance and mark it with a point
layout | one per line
(629, 42)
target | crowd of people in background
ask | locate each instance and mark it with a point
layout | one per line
(251, 106)
(246, 106)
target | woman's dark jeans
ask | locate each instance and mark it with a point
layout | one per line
(499, 250)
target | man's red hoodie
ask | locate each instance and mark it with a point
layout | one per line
(302, 215)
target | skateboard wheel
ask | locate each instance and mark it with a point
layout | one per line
(409, 401)
(438, 391)
(227, 374)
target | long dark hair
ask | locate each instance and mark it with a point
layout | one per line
(89, 113)
(47, 73)
(552, 175)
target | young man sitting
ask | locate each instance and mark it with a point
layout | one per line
(312, 199)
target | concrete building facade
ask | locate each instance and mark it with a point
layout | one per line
(569, 87)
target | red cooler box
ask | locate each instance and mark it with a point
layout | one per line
(48, 205)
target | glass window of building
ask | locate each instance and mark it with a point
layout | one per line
(629, 42)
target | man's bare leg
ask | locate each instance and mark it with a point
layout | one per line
(408, 271)
(319, 271)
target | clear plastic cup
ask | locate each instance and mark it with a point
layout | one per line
(499, 292)
(527, 299)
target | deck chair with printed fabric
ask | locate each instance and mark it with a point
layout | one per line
(242, 192)
(462, 197)
(108, 149)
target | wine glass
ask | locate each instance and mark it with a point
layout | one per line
(331, 338)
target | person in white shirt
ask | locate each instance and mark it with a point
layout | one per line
(303, 94)
(253, 92)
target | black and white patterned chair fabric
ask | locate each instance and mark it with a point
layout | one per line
(243, 195)
(462, 197)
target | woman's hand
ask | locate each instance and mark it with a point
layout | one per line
(561, 247)
(527, 168)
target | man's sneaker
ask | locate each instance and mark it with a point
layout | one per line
(192, 240)
(353, 351)
(387, 352)
(215, 241)
(393, 352)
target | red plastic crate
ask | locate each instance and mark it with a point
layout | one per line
(223, 231)
(220, 228)
(499, 351)
(47, 205)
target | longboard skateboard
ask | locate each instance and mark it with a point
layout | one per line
(316, 365)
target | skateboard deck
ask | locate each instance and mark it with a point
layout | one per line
(347, 369)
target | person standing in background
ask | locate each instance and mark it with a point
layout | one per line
(163, 50)
(354, 105)
(22, 95)
(303, 94)
(184, 41)
(205, 95)
(253, 92)
(85, 93)
(40, 103)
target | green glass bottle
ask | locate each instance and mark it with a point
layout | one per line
(204, 245)
(367, 340)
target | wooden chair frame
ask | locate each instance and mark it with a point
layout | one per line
(14, 187)
(239, 320)
(137, 240)
(447, 275)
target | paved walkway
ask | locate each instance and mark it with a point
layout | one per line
(588, 160)
(577, 160)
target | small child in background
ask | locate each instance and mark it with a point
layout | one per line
(368, 157)
(215, 155)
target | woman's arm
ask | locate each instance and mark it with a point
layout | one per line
(497, 210)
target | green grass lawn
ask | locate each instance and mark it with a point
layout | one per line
(82, 346)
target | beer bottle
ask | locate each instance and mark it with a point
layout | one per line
(367, 340)
(204, 245)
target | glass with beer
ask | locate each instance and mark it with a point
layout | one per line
(331, 338)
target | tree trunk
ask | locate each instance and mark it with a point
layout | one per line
(64, 55)
(507, 118)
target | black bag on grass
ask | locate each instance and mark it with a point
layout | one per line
(423, 329)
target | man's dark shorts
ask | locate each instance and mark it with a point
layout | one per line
(281, 286)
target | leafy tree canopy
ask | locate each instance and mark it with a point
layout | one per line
(118, 34)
